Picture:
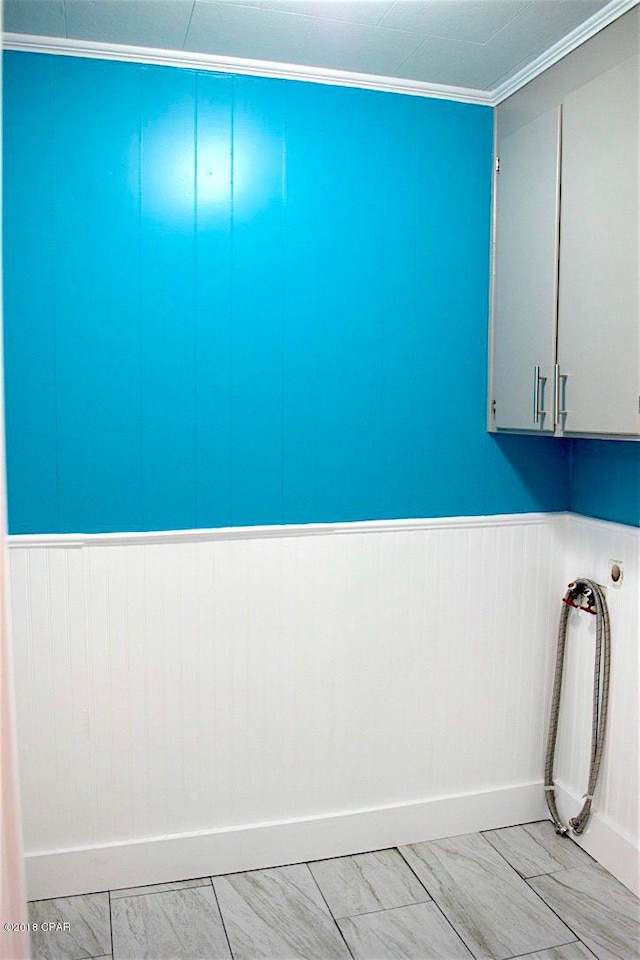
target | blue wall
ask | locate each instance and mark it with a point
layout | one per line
(231, 300)
(605, 480)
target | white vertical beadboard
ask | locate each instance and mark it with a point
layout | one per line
(199, 683)
(588, 547)
(176, 686)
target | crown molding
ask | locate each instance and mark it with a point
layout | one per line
(344, 78)
(586, 30)
(261, 68)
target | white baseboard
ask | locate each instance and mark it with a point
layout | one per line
(56, 873)
(616, 852)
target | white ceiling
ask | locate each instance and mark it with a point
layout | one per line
(478, 44)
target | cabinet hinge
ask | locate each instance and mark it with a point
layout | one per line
(497, 164)
(493, 408)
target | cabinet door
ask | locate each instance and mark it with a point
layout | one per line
(526, 271)
(599, 323)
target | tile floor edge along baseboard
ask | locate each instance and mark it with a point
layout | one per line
(615, 851)
(62, 873)
(518, 893)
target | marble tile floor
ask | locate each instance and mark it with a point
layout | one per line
(516, 892)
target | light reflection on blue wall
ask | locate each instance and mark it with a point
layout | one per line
(187, 183)
(214, 182)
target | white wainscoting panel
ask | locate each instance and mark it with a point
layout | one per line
(613, 832)
(261, 696)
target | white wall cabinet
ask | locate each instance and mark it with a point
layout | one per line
(526, 283)
(566, 324)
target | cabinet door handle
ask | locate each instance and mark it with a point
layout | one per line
(537, 412)
(557, 412)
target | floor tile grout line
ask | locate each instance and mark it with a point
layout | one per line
(345, 856)
(149, 893)
(369, 913)
(87, 893)
(586, 852)
(224, 926)
(532, 953)
(423, 885)
(550, 873)
(558, 915)
(453, 927)
(110, 922)
(525, 880)
(503, 857)
(506, 859)
(508, 862)
(478, 833)
(524, 826)
(588, 949)
(434, 901)
(364, 913)
(337, 925)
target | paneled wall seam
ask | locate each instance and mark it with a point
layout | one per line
(229, 449)
(196, 101)
(196, 166)
(139, 277)
(54, 298)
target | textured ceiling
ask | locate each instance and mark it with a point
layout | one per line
(465, 43)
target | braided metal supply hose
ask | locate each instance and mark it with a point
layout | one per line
(591, 590)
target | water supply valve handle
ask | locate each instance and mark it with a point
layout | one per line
(577, 590)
